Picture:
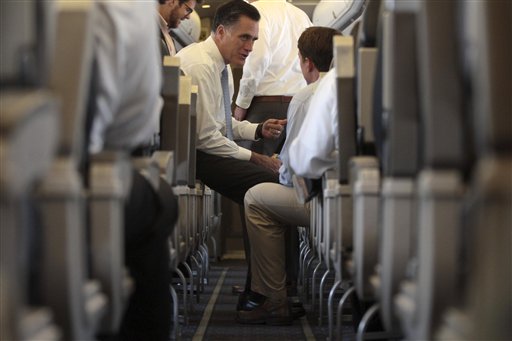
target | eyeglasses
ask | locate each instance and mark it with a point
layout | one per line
(189, 9)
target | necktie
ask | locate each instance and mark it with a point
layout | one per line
(227, 102)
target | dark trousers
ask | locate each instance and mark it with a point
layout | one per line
(149, 219)
(292, 254)
(256, 113)
(259, 112)
(232, 178)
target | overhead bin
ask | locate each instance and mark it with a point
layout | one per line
(338, 14)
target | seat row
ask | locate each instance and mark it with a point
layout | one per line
(414, 226)
(62, 266)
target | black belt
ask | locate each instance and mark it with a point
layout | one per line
(144, 150)
(279, 99)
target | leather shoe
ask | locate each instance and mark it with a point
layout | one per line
(249, 300)
(296, 307)
(274, 313)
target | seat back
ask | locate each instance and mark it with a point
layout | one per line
(78, 303)
(484, 291)
(183, 231)
(364, 168)
(399, 121)
(439, 184)
(345, 86)
(28, 136)
(169, 118)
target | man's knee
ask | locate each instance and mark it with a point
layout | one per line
(252, 197)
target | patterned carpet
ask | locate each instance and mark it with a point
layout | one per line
(216, 320)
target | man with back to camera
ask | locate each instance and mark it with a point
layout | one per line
(221, 164)
(125, 106)
(272, 208)
(271, 74)
(171, 14)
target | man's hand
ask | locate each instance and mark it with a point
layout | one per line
(239, 113)
(271, 163)
(272, 128)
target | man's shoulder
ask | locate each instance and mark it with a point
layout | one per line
(306, 92)
(191, 49)
(192, 55)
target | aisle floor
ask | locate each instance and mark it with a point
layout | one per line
(214, 317)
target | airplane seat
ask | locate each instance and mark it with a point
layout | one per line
(214, 221)
(175, 125)
(173, 85)
(28, 136)
(310, 236)
(28, 143)
(77, 301)
(396, 134)
(199, 252)
(364, 168)
(166, 155)
(341, 207)
(482, 308)
(430, 285)
(109, 185)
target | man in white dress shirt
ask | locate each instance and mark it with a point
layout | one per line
(272, 208)
(271, 74)
(314, 150)
(221, 164)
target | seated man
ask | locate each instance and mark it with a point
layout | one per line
(125, 109)
(221, 164)
(272, 208)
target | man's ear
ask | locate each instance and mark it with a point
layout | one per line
(220, 31)
(310, 66)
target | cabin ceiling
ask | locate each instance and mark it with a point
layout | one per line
(307, 6)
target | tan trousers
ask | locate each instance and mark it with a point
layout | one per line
(269, 210)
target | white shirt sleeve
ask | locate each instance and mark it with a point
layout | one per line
(313, 151)
(210, 138)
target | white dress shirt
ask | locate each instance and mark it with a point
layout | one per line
(273, 68)
(296, 114)
(314, 149)
(204, 63)
(129, 75)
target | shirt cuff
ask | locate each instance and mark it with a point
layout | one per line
(243, 154)
(243, 102)
(259, 132)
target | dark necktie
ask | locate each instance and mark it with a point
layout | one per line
(227, 102)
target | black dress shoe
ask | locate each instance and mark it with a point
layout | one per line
(274, 313)
(296, 307)
(249, 300)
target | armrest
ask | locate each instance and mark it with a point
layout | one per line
(165, 161)
(306, 189)
(149, 168)
(110, 182)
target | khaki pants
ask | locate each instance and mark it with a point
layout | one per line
(269, 210)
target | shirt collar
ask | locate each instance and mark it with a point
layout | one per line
(214, 53)
(163, 24)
